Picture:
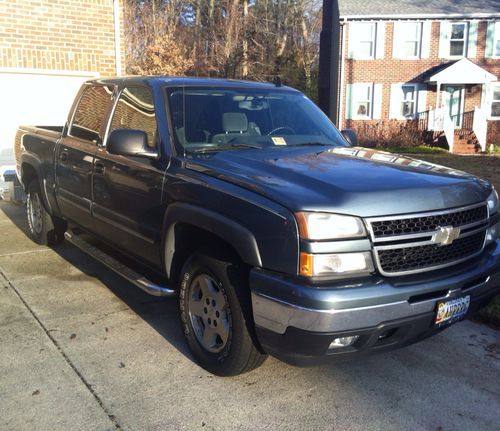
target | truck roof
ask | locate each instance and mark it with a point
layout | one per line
(189, 81)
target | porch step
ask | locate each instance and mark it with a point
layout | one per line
(465, 142)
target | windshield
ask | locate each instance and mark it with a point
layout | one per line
(214, 119)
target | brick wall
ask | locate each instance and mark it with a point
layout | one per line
(67, 35)
(390, 70)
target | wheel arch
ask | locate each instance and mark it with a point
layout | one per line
(187, 228)
(31, 169)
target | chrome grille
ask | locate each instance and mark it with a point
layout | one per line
(413, 258)
(428, 223)
(406, 244)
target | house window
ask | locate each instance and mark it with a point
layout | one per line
(408, 103)
(495, 101)
(363, 36)
(496, 40)
(409, 36)
(458, 39)
(362, 100)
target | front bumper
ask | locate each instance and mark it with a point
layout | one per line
(297, 322)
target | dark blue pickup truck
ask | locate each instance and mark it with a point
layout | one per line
(276, 232)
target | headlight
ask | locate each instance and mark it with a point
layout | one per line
(313, 265)
(493, 201)
(320, 226)
(492, 233)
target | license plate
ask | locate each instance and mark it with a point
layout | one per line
(452, 310)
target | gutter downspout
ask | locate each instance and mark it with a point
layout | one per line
(116, 18)
(343, 25)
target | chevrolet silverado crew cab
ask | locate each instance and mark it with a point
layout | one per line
(277, 233)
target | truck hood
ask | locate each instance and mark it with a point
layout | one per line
(355, 181)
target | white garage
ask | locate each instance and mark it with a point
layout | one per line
(35, 97)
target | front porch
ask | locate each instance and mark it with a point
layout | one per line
(464, 133)
(460, 118)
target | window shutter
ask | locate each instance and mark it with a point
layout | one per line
(396, 99)
(425, 40)
(351, 43)
(380, 40)
(490, 36)
(472, 43)
(421, 98)
(396, 40)
(377, 101)
(444, 39)
(348, 103)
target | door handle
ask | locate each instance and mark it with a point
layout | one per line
(99, 168)
(64, 156)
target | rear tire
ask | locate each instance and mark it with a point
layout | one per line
(216, 315)
(42, 227)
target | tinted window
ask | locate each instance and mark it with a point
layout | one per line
(212, 118)
(91, 111)
(135, 110)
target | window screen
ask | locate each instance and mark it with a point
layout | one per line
(91, 111)
(135, 110)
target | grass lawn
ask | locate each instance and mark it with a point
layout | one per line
(487, 167)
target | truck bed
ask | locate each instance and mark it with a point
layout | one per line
(38, 135)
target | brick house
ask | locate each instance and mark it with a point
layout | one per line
(430, 66)
(47, 49)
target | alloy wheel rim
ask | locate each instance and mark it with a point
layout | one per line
(209, 313)
(34, 213)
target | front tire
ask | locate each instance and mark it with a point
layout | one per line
(42, 228)
(216, 317)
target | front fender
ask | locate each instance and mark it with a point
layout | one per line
(239, 237)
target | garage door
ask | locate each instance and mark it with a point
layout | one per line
(35, 97)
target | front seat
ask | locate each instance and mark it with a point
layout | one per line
(233, 124)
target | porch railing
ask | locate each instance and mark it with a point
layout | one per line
(463, 121)
(423, 120)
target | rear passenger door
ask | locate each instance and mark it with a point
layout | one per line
(75, 154)
(127, 190)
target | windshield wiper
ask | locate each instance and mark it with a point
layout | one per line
(310, 144)
(216, 148)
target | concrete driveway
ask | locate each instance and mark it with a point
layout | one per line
(81, 349)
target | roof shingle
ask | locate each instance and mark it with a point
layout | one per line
(396, 8)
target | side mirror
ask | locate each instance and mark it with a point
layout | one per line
(130, 142)
(350, 136)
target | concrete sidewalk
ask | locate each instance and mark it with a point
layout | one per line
(82, 349)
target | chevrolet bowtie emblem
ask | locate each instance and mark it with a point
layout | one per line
(445, 235)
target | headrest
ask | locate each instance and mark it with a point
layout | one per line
(234, 122)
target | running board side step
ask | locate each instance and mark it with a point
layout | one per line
(125, 271)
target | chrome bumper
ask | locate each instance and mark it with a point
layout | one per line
(277, 315)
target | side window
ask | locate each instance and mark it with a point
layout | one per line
(91, 111)
(135, 110)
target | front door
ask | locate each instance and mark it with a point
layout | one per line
(453, 102)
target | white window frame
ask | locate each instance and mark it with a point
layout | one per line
(496, 40)
(465, 39)
(414, 100)
(354, 103)
(357, 40)
(492, 100)
(401, 39)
